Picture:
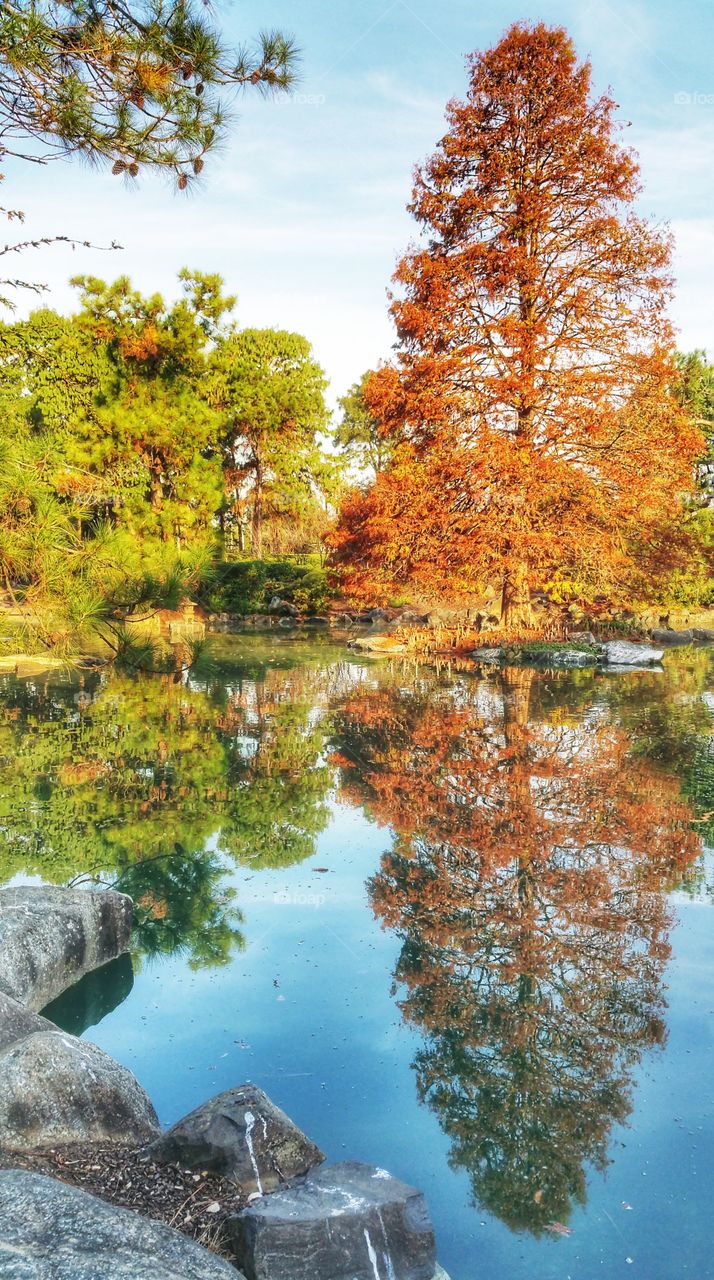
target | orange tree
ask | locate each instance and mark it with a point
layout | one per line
(539, 444)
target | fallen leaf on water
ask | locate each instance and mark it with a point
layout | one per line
(558, 1229)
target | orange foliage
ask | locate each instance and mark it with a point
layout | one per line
(140, 344)
(538, 439)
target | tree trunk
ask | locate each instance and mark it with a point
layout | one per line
(516, 608)
(256, 532)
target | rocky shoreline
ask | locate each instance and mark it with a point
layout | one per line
(90, 1189)
(585, 651)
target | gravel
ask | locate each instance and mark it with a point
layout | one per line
(192, 1202)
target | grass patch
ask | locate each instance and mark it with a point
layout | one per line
(545, 647)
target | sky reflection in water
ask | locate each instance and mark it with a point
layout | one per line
(502, 985)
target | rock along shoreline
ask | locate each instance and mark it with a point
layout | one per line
(247, 1182)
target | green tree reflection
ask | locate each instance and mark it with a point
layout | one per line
(161, 787)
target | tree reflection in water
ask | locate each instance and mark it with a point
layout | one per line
(526, 884)
(160, 788)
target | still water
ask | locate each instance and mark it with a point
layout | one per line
(459, 926)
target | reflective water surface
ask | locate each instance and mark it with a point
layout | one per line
(458, 926)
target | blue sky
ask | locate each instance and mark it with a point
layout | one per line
(303, 212)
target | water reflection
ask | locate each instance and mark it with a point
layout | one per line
(93, 997)
(158, 787)
(531, 848)
(536, 822)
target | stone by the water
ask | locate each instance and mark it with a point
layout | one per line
(17, 1022)
(378, 644)
(49, 1231)
(241, 1135)
(561, 658)
(625, 653)
(55, 1088)
(672, 638)
(488, 655)
(346, 1221)
(50, 937)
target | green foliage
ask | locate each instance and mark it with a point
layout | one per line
(542, 648)
(358, 434)
(183, 906)
(248, 586)
(693, 587)
(696, 390)
(269, 390)
(136, 85)
(133, 437)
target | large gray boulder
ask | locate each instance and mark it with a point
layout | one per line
(241, 1135)
(55, 1089)
(623, 653)
(49, 1231)
(50, 937)
(17, 1022)
(344, 1222)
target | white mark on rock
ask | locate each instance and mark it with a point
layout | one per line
(386, 1256)
(349, 1202)
(372, 1254)
(381, 1173)
(249, 1126)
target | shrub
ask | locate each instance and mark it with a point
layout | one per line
(248, 586)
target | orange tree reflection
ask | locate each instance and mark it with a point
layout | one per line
(525, 882)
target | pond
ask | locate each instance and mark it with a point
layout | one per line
(456, 925)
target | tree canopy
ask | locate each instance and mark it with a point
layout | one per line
(537, 444)
(134, 432)
(359, 433)
(269, 390)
